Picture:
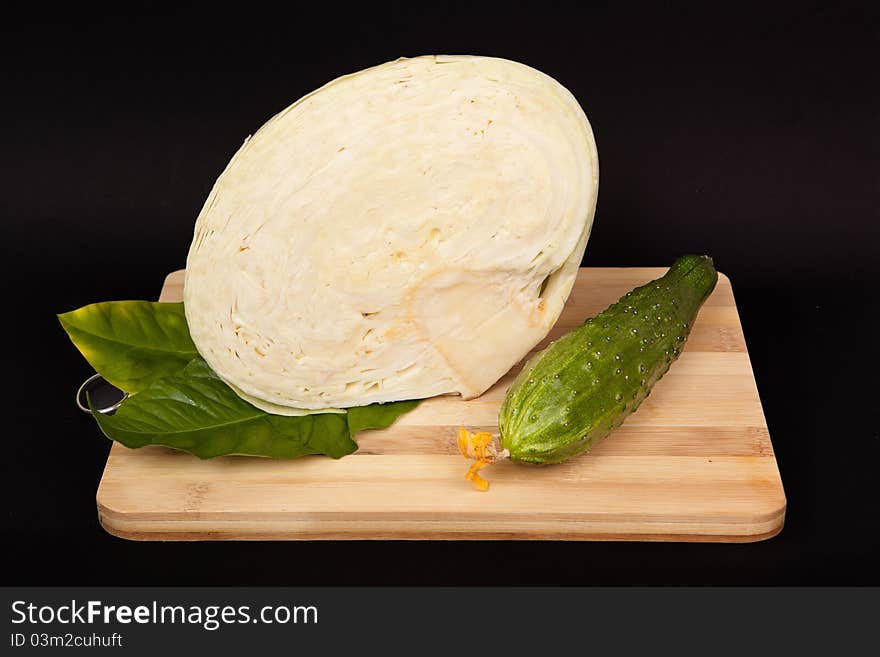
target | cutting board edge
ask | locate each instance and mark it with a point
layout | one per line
(759, 525)
(233, 531)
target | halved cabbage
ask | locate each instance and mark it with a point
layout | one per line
(406, 231)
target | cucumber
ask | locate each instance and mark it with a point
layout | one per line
(580, 388)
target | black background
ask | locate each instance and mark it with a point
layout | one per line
(749, 133)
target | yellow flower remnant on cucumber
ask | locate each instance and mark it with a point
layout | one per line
(481, 448)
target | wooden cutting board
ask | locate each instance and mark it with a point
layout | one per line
(694, 463)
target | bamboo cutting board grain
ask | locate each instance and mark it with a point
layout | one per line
(694, 463)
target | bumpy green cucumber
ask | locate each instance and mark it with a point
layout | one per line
(580, 388)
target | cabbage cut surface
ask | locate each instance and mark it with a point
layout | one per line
(406, 231)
